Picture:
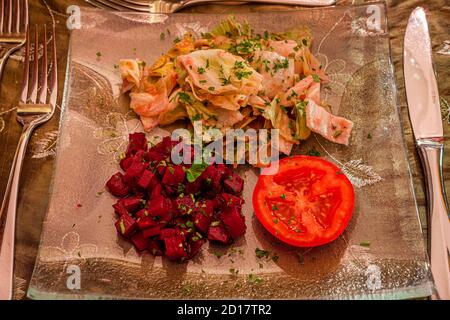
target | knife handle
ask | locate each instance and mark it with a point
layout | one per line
(431, 153)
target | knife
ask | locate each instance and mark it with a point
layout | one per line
(425, 115)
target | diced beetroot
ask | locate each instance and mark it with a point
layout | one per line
(185, 205)
(161, 169)
(174, 175)
(146, 222)
(174, 243)
(194, 186)
(233, 183)
(143, 213)
(156, 190)
(125, 163)
(133, 173)
(227, 200)
(233, 221)
(202, 222)
(116, 185)
(214, 176)
(137, 142)
(151, 232)
(119, 208)
(147, 179)
(126, 225)
(218, 233)
(169, 232)
(131, 204)
(161, 207)
(155, 247)
(165, 146)
(140, 241)
(206, 207)
(195, 246)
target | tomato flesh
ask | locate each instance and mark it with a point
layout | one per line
(309, 202)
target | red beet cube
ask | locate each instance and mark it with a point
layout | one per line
(126, 225)
(140, 242)
(205, 207)
(169, 232)
(174, 175)
(116, 185)
(233, 221)
(119, 208)
(151, 232)
(133, 173)
(194, 186)
(161, 169)
(219, 234)
(195, 246)
(202, 222)
(233, 183)
(143, 213)
(131, 204)
(229, 200)
(185, 205)
(161, 207)
(156, 190)
(147, 179)
(155, 247)
(174, 243)
(146, 222)
(137, 142)
(125, 163)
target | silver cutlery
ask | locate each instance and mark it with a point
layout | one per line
(425, 114)
(36, 105)
(13, 28)
(167, 6)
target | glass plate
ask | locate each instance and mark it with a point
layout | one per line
(380, 255)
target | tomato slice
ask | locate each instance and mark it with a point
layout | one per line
(308, 203)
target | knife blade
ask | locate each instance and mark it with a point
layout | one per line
(425, 115)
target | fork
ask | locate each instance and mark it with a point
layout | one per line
(166, 6)
(36, 106)
(13, 28)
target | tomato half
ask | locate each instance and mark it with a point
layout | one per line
(308, 203)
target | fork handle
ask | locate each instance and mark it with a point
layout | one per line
(8, 217)
(431, 153)
(308, 3)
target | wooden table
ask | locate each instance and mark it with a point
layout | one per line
(33, 196)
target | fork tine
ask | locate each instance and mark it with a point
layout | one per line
(2, 18)
(35, 70)
(44, 70)
(26, 70)
(24, 25)
(18, 15)
(54, 75)
(10, 19)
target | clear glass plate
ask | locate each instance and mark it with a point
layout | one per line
(380, 255)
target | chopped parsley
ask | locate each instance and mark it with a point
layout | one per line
(278, 65)
(283, 196)
(211, 89)
(274, 208)
(313, 152)
(337, 133)
(183, 97)
(162, 36)
(201, 70)
(196, 117)
(364, 244)
(369, 136)
(260, 253)
(316, 78)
